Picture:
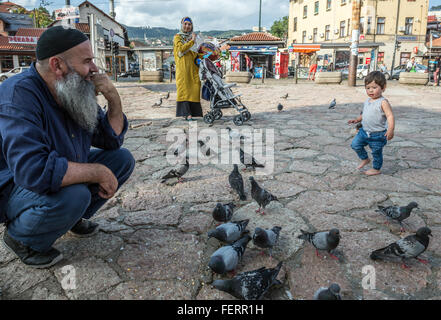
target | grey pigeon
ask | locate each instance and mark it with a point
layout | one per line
(333, 104)
(226, 258)
(279, 107)
(248, 160)
(230, 231)
(262, 197)
(322, 240)
(236, 182)
(250, 285)
(233, 134)
(157, 104)
(285, 96)
(177, 173)
(223, 212)
(398, 213)
(205, 150)
(266, 238)
(167, 95)
(410, 247)
(331, 293)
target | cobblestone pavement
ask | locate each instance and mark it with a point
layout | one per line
(153, 243)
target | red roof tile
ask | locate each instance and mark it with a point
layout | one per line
(30, 32)
(256, 36)
(83, 27)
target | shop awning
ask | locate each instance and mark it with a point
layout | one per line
(304, 48)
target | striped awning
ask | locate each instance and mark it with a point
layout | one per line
(304, 48)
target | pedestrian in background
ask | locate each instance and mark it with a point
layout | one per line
(188, 84)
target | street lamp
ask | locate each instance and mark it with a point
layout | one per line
(260, 15)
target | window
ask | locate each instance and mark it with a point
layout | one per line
(361, 28)
(409, 26)
(328, 4)
(343, 2)
(305, 11)
(316, 7)
(349, 26)
(24, 61)
(295, 25)
(342, 29)
(314, 35)
(369, 25)
(304, 37)
(380, 25)
(7, 63)
(327, 32)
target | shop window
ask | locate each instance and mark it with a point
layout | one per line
(24, 61)
(7, 63)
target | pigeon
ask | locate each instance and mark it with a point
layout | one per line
(157, 104)
(234, 134)
(207, 150)
(285, 96)
(333, 104)
(249, 161)
(262, 197)
(229, 232)
(223, 212)
(250, 285)
(177, 173)
(397, 213)
(280, 107)
(167, 95)
(331, 293)
(322, 240)
(236, 182)
(266, 238)
(410, 247)
(226, 258)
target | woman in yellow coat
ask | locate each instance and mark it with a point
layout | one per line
(188, 83)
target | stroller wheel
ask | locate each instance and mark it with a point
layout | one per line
(208, 118)
(238, 121)
(217, 114)
(246, 115)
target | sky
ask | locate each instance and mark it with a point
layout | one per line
(206, 14)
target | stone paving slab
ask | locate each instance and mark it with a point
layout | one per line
(153, 241)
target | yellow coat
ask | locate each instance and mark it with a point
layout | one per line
(188, 83)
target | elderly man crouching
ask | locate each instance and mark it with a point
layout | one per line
(51, 182)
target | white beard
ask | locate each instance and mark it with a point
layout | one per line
(78, 99)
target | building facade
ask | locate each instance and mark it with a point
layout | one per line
(330, 22)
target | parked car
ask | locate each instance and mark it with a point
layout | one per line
(362, 70)
(397, 70)
(130, 73)
(13, 72)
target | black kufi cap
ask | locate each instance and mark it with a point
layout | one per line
(58, 39)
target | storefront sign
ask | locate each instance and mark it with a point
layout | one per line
(22, 39)
(257, 49)
(407, 38)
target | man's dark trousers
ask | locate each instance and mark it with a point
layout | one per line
(38, 220)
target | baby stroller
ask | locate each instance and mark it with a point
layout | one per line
(219, 94)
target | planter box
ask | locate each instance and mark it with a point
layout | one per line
(328, 77)
(238, 77)
(151, 76)
(417, 78)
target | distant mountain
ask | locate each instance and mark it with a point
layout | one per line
(139, 33)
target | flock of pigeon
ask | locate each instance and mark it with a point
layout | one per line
(253, 285)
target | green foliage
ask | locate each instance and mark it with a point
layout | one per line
(40, 15)
(280, 28)
(435, 8)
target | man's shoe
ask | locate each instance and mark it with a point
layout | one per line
(29, 256)
(85, 228)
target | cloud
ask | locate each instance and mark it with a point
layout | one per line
(206, 14)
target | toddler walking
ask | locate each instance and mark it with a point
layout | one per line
(377, 122)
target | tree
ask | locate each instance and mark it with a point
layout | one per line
(280, 28)
(435, 8)
(40, 15)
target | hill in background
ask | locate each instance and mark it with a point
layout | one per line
(164, 34)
